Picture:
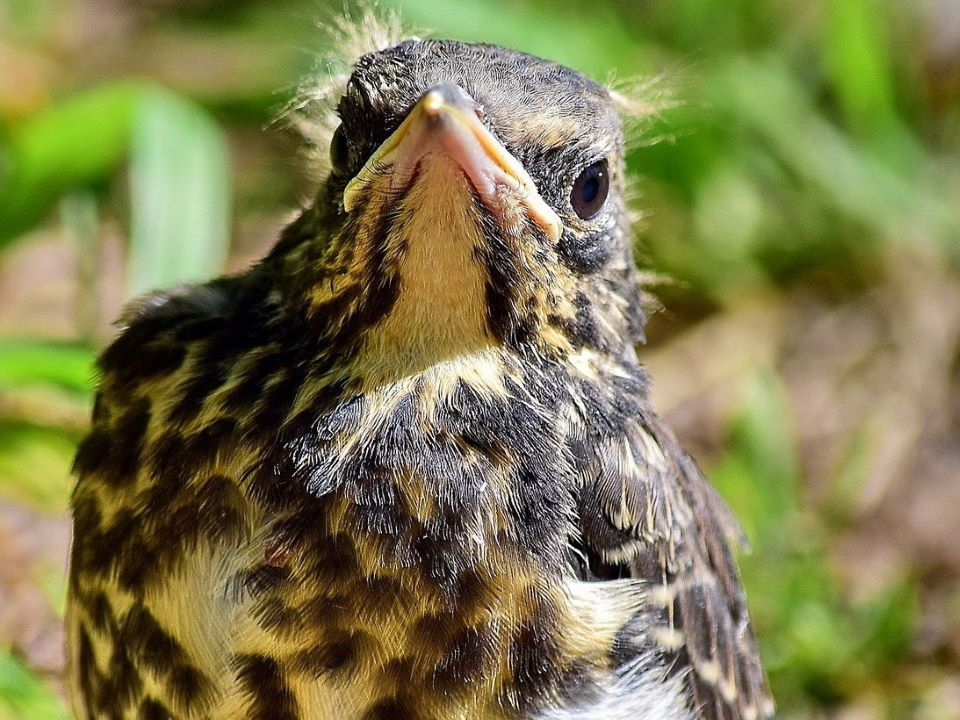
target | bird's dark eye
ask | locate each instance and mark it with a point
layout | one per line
(339, 150)
(590, 190)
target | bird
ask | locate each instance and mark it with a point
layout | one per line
(406, 466)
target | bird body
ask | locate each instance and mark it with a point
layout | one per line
(406, 466)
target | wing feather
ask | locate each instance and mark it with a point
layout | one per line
(645, 505)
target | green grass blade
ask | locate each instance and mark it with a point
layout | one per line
(856, 55)
(28, 362)
(76, 141)
(180, 195)
(23, 696)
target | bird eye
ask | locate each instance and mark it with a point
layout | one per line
(590, 190)
(339, 150)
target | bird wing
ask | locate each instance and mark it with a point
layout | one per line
(646, 511)
(157, 523)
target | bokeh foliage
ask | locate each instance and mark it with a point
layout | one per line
(801, 148)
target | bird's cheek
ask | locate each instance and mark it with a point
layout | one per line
(585, 252)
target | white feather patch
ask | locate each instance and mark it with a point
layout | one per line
(638, 689)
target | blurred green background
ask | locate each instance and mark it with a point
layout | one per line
(800, 219)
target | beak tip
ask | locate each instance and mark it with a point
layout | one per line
(433, 103)
(555, 231)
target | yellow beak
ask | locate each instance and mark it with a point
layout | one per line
(444, 120)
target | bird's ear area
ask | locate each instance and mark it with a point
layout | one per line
(644, 505)
(586, 252)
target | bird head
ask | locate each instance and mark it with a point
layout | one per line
(474, 198)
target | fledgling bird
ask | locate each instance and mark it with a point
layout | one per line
(406, 468)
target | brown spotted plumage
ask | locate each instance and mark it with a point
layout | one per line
(405, 468)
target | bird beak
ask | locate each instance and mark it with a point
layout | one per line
(445, 120)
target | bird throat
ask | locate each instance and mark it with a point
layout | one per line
(440, 313)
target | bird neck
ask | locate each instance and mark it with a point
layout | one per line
(391, 295)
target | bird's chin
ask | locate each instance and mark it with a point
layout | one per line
(436, 235)
(472, 271)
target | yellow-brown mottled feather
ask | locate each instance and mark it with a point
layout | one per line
(406, 466)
